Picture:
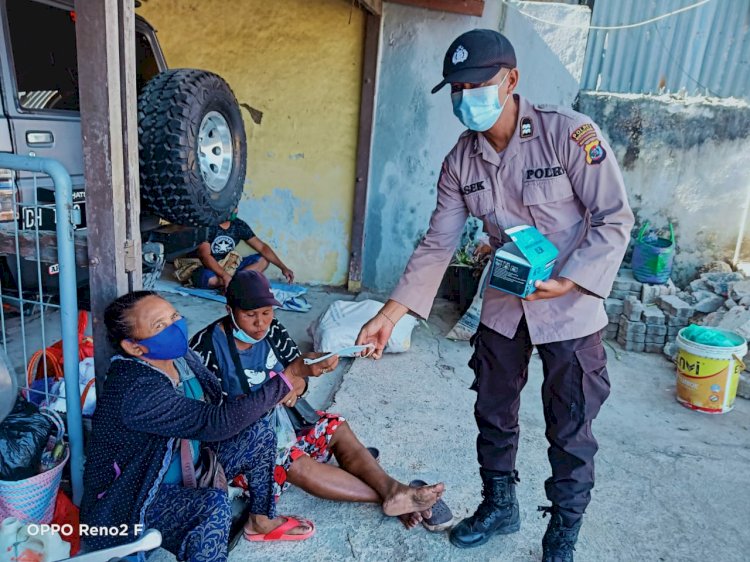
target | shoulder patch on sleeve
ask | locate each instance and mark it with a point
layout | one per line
(585, 136)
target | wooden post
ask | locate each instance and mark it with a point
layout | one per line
(373, 6)
(105, 34)
(364, 144)
(466, 7)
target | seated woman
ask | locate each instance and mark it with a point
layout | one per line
(257, 346)
(164, 441)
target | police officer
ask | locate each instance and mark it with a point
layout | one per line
(549, 167)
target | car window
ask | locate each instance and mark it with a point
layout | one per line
(43, 42)
(46, 67)
(146, 65)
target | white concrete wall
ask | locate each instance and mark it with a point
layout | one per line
(414, 129)
(550, 57)
(684, 160)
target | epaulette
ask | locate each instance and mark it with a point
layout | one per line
(561, 109)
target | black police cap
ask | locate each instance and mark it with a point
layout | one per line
(476, 56)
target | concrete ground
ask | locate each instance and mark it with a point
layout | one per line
(671, 483)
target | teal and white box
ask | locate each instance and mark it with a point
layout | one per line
(519, 264)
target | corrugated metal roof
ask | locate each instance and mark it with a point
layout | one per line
(702, 51)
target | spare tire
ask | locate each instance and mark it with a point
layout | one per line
(192, 146)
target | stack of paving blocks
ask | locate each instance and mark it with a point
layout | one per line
(677, 314)
(632, 332)
(614, 308)
(634, 319)
(656, 329)
(651, 293)
(625, 286)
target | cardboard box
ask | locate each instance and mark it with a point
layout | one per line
(519, 264)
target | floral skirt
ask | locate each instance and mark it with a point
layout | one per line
(314, 443)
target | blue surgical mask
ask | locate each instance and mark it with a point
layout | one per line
(242, 335)
(170, 343)
(479, 108)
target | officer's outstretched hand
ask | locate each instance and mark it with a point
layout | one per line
(377, 332)
(551, 289)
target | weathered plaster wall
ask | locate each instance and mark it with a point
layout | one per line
(414, 129)
(550, 57)
(683, 160)
(300, 63)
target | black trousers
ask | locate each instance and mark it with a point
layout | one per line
(575, 386)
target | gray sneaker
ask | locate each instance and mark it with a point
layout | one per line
(441, 519)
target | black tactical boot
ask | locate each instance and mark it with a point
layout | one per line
(559, 541)
(497, 514)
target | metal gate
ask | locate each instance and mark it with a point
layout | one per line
(38, 290)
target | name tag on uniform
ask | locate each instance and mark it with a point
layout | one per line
(519, 264)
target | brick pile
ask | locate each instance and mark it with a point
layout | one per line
(635, 320)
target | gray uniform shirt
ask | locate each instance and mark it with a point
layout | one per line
(558, 174)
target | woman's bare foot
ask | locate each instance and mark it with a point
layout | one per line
(411, 520)
(404, 499)
(262, 525)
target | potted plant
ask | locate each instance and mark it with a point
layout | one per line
(461, 279)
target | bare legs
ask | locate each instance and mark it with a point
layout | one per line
(261, 265)
(361, 479)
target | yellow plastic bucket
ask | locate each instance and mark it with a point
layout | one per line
(707, 376)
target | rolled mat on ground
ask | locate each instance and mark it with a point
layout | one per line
(290, 296)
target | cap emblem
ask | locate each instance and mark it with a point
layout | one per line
(460, 55)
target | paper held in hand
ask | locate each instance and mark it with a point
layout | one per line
(353, 351)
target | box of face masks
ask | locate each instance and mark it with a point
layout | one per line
(519, 264)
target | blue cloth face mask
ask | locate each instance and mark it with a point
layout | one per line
(479, 108)
(170, 343)
(242, 335)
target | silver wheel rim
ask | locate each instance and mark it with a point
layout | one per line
(215, 150)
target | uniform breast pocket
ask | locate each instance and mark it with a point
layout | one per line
(552, 204)
(480, 203)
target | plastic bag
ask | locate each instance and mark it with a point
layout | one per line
(285, 435)
(339, 327)
(653, 257)
(23, 438)
(707, 336)
(86, 388)
(66, 513)
(469, 322)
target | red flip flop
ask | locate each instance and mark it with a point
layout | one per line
(279, 533)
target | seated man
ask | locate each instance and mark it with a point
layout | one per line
(243, 349)
(222, 240)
